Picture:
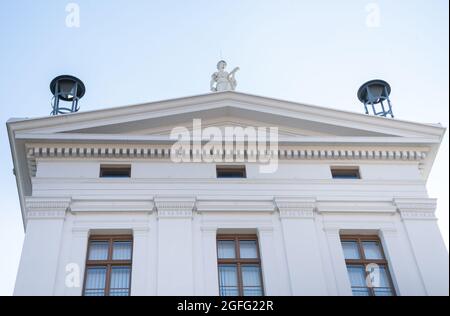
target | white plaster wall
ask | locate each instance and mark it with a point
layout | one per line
(430, 254)
(67, 169)
(38, 266)
(168, 170)
(81, 178)
(177, 256)
(390, 172)
(54, 168)
(173, 256)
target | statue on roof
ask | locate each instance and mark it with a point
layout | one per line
(221, 80)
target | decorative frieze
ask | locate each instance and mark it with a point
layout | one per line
(295, 207)
(416, 208)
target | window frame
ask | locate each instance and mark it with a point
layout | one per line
(343, 169)
(229, 168)
(109, 263)
(359, 239)
(107, 167)
(238, 261)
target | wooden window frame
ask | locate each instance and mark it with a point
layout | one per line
(229, 168)
(345, 169)
(109, 262)
(359, 239)
(238, 261)
(104, 168)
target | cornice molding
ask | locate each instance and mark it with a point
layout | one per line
(295, 207)
(175, 207)
(416, 208)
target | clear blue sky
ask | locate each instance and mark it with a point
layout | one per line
(127, 52)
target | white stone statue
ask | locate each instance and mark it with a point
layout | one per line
(221, 80)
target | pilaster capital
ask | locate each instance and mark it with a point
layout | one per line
(175, 207)
(295, 207)
(46, 207)
(416, 208)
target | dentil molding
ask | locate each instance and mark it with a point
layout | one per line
(164, 151)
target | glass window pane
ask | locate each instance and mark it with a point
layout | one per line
(384, 277)
(120, 281)
(357, 275)
(248, 249)
(228, 282)
(372, 250)
(226, 249)
(122, 250)
(383, 292)
(360, 291)
(251, 280)
(98, 250)
(351, 250)
(95, 281)
(378, 275)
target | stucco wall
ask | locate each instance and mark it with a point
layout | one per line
(297, 213)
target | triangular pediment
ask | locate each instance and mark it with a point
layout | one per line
(226, 109)
(221, 123)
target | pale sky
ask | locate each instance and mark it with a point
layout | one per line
(127, 52)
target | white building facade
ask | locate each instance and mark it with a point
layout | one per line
(108, 212)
